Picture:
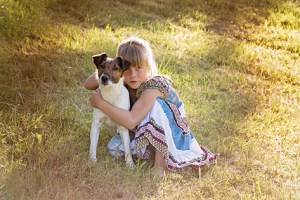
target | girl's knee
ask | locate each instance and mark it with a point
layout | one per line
(151, 148)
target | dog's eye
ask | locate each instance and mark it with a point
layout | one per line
(102, 66)
(115, 68)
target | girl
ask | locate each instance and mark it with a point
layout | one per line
(157, 112)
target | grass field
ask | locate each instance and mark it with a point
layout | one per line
(235, 64)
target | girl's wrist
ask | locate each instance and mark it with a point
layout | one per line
(99, 104)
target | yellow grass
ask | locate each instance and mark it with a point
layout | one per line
(235, 64)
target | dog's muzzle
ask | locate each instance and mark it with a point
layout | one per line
(104, 79)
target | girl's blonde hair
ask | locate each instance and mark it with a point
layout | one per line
(138, 52)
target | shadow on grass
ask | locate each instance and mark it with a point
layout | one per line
(35, 64)
(31, 69)
(39, 66)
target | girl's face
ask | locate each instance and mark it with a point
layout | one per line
(135, 76)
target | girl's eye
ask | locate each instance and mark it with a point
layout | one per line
(139, 67)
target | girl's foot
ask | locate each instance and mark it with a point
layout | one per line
(159, 171)
(160, 167)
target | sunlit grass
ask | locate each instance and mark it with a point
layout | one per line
(235, 64)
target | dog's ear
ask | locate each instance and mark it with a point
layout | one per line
(99, 58)
(125, 64)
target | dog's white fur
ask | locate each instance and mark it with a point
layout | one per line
(117, 95)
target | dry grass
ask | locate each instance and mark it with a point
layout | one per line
(234, 63)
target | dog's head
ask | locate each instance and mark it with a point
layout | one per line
(110, 70)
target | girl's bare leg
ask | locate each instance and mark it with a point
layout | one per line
(160, 167)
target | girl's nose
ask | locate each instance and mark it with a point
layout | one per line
(132, 73)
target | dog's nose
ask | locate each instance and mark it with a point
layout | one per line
(104, 78)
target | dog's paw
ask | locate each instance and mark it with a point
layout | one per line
(94, 160)
(131, 165)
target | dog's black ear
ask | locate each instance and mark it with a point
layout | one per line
(99, 58)
(125, 64)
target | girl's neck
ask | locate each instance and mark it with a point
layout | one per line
(132, 92)
(132, 95)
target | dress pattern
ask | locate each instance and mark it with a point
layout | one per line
(166, 129)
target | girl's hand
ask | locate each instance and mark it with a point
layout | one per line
(96, 98)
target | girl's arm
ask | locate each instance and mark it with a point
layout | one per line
(128, 119)
(91, 82)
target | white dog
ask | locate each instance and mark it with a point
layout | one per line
(112, 90)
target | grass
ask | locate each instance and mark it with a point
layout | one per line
(234, 63)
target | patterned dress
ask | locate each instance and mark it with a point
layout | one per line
(166, 129)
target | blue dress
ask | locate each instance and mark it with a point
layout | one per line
(165, 127)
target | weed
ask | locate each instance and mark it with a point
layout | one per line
(235, 64)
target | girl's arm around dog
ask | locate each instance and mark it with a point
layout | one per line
(128, 119)
(91, 82)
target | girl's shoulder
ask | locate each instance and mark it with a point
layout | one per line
(156, 82)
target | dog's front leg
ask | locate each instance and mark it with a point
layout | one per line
(94, 136)
(124, 133)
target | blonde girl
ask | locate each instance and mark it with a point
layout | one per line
(157, 114)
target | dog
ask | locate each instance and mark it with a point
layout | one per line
(110, 80)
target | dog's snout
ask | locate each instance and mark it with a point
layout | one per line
(104, 78)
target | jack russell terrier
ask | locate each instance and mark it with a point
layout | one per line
(110, 80)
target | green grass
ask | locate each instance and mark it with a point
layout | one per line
(235, 64)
